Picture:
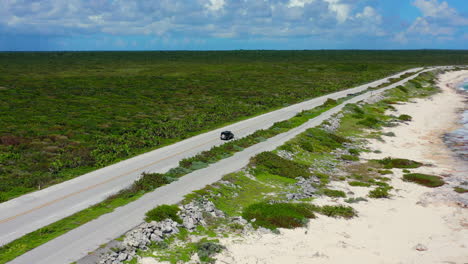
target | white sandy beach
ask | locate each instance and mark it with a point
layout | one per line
(416, 225)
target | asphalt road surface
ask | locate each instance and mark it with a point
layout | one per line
(32, 211)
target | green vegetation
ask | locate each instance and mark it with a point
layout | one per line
(355, 200)
(405, 118)
(75, 112)
(385, 172)
(277, 165)
(163, 212)
(390, 163)
(285, 215)
(460, 189)
(359, 183)
(424, 179)
(338, 211)
(333, 193)
(380, 192)
(349, 157)
(206, 249)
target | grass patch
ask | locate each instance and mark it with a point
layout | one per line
(163, 212)
(349, 157)
(390, 163)
(405, 118)
(333, 193)
(385, 172)
(231, 200)
(355, 200)
(284, 215)
(277, 165)
(380, 192)
(424, 179)
(343, 211)
(359, 184)
(206, 249)
(459, 189)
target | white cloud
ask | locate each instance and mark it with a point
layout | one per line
(438, 20)
(215, 5)
(369, 13)
(422, 27)
(440, 11)
(299, 3)
(342, 10)
(195, 18)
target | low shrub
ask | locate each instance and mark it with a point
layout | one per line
(384, 179)
(390, 163)
(163, 212)
(379, 192)
(319, 140)
(403, 89)
(177, 172)
(149, 182)
(370, 122)
(338, 211)
(384, 172)
(324, 178)
(424, 179)
(405, 118)
(349, 157)
(355, 200)
(353, 151)
(197, 165)
(359, 183)
(277, 165)
(285, 215)
(334, 193)
(459, 189)
(330, 102)
(206, 249)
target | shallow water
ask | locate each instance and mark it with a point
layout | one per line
(458, 140)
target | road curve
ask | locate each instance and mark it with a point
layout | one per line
(38, 209)
(86, 238)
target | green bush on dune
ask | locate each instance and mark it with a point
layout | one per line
(424, 179)
(285, 215)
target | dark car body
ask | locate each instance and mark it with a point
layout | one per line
(226, 135)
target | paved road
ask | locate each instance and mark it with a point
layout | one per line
(35, 210)
(86, 238)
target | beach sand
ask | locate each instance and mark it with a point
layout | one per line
(416, 225)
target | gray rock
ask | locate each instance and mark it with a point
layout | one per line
(189, 223)
(122, 256)
(167, 228)
(155, 238)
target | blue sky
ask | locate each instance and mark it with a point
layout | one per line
(232, 24)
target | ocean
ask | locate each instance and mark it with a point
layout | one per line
(458, 140)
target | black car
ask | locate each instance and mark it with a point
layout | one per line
(226, 135)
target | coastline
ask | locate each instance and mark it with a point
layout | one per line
(416, 225)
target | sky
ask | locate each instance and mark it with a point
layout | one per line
(47, 25)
